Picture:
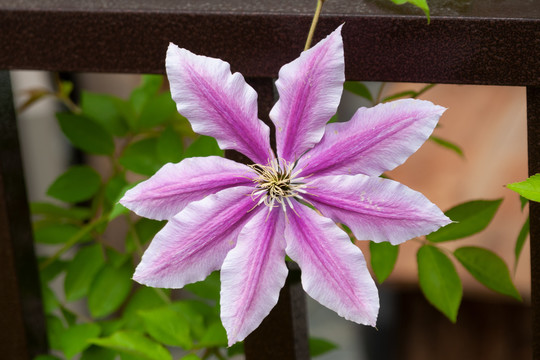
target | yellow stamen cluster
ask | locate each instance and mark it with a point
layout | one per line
(277, 184)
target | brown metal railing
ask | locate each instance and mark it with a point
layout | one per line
(490, 42)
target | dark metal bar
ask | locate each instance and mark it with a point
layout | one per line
(496, 42)
(22, 324)
(533, 138)
(283, 333)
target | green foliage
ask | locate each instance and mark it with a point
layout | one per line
(359, 89)
(86, 134)
(75, 338)
(447, 144)
(82, 271)
(77, 184)
(529, 189)
(469, 218)
(439, 281)
(487, 268)
(422, 4)
(106, 110)
(319, 346)
(383, 259)
(134, 343)
(522, 236)
(109, 289)
(141, 157)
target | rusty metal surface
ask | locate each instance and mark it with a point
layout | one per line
(533, 139)
(476, 42)
(22, 324)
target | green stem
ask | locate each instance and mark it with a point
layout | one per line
(423, 90)
(314, 23)
(379, 94)
(73, 240)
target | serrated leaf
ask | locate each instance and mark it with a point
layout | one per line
(167, 326)
(53, 233)
(470, 218)
(86, 134)
(134, 343)
(110, 288)
(203, 146)
(359, 89)
(75, 339)
(383, 259)
(215, 335)
(439, 281)
(106, 110)
(169, 146)
(82, 270)
(447, 144)
(529, 189)
(522, 236)
(157, 110)
(141, 157)
(318, 346)
(487, 268)
(77, 184)
(55, 211)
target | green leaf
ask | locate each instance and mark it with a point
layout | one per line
(439, 281)
(52, 233)
(55, 211)
(75, 339)
(167, 326)
(529, 189)
(521, 240)
(69, 316)
(55, 330)
(196, 312)
(487, 268)
(52, 270)
(206, 289)
(150, 85)
(203, 146)
(77, 184)
(169, 146)
(523, 201)
(190, 357)
(422, 4)
(134, 343)
(144, 298)
(157, 110)
(145, 230)
(141, 157)
(319, 346)
(383, 259)
(82, 270)
(405, 94)
(86, 134)
(114, 188)
(470, 218)
(447, 144)
(106, 110)
(110, 288)
(215, 335)
(50, 302)
(359, 89)
(94, 352)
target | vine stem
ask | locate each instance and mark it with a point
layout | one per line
(314, 24)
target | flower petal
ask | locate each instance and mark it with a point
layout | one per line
(195, 242)
(175, 185)
(309, 89)
(375, 140)
(334, 271)
(253, 274)
(217, 103)
(375, 208)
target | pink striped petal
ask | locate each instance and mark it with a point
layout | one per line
(176, 185)
(309, 89)
(375, 140)
(253, 274)
(218, 103)
(334, 271)
(195, 242)
(375, 208)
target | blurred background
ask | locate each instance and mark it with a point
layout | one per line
(488, 123)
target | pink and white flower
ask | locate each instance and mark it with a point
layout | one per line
(244, 219)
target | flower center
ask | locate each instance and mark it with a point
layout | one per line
(277, 184)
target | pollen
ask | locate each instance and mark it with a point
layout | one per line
(277, 183)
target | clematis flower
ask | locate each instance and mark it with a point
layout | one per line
(244, 219)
